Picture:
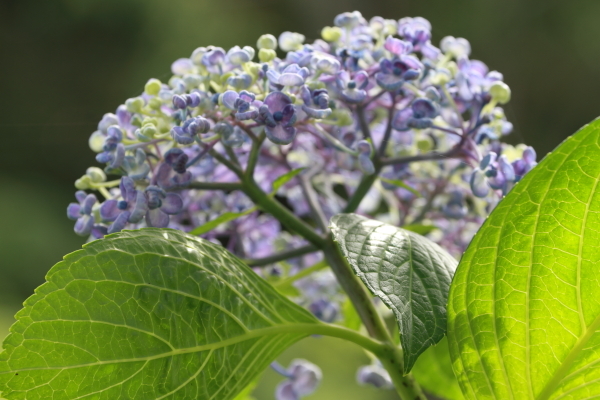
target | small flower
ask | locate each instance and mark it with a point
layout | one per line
(239, 56)
(397, 46)
(303, 379)
(457, 47)
(493, 172)
(132, 208)
(173, 171)
(230, 136)
(525, 164)
(374, 375)
(349, 20)
(136, 166)
(325, 64)
(325, 310)
(455, 208)
(82, 212)
(393, 74)
(290, 41)
(182, 66)
(365, 164)
(352, 90)
(161, 205)
(292, 75)
(186, 133)
(278, 115)
(419, 116)
(114, 151)
(416, 30)
(316, 102)
(213, 58)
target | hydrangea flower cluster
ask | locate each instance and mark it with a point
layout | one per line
(371, 118)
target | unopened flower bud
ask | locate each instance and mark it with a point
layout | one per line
(266, 55)
(152, 87)
(134, 104)
(267, 42)
(290, 41)
(500, 92)
(95, 174)
(331, 33)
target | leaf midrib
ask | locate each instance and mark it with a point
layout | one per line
(301, 330)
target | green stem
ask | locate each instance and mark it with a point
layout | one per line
(284, 215)
(212, 186)
(284, 255)
(406, 385)
(363, 187)
(254, 152)
(375, 347)
(356, 291)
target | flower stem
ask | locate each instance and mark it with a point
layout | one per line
(284, 255)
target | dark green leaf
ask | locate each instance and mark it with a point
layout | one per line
(433, 371)
(410, 273)
(221, 219)
(399, 183)
(285, 178)
(524, 309)
(420, 229)
(149, 314)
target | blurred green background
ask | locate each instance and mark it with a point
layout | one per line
(64, 63)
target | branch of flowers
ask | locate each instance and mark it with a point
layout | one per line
(284, 255)
(388, 131)
(284, 215)
(248, 131)
(433, 156)
(226, 186)
(363, 187)
(313, 202)
(372, 99)
(232, 156)
(205, 150)
(223, 160)
(362, 122)
(254, 152)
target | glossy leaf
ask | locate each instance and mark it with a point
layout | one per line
(433, 371)
(407, 271)
(149, 314)
(524, 309)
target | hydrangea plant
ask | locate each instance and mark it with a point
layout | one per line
(267, 194)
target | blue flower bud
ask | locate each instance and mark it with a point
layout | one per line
(374, 375)
(179, 102)
(176, 159)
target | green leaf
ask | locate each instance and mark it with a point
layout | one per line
(524, 309)
(420, 229)
(285, 178)
(410, 273)
(149, 314)
(399, 183)
(433, 371)
(221, 219)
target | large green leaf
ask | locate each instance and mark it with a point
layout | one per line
(524, 308)
(433, 371)
(149, 314)
(410, 273)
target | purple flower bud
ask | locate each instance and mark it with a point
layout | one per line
(325, 310)
(397, 46)
(374, 375)
(179, 102)
(176, 159)
(182, 66)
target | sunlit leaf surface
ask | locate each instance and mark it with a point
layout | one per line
(524, 309)
(149, 314)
